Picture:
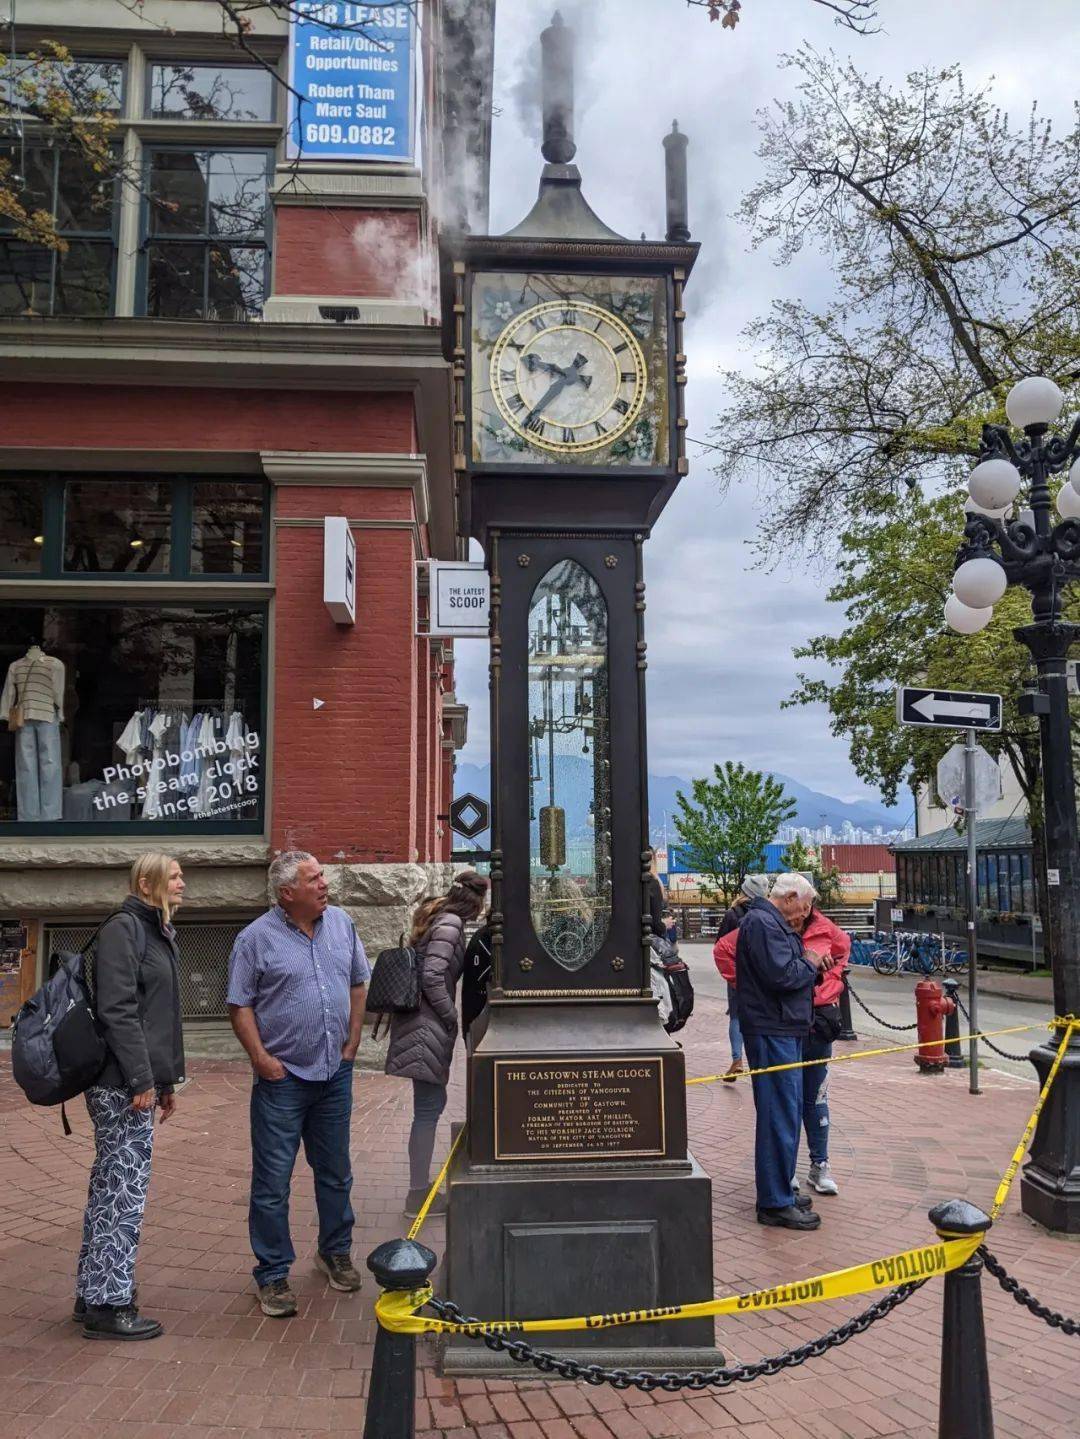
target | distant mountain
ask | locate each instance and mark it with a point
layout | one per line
(814, 808)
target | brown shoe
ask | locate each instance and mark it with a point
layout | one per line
(276, 1299)
(736, 1067)
(339, 1269)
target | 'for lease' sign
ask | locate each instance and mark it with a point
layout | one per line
(351, 73)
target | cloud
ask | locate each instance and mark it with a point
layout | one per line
(721, 634)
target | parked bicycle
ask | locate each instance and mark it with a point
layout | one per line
(905, 952)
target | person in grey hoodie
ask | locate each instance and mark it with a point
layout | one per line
(136, 976)
(422, 1040)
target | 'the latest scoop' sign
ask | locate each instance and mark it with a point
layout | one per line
(459, 599)
(351, 72)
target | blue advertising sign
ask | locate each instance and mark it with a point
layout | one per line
(351, 72)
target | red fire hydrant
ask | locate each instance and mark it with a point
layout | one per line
(931, 1007)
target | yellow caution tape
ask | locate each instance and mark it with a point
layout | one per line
(860, 1054)
(418, 1222)
(1029, 1129)
(397, 1311)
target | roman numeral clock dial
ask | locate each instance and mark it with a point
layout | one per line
(568, 379)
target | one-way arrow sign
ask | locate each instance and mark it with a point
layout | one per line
(948, 709)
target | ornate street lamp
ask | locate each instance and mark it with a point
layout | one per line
(1043, 555)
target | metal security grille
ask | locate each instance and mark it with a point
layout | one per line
(204, 961)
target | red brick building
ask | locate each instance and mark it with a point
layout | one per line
(234, 346)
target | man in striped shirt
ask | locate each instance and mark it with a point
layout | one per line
(297, 984)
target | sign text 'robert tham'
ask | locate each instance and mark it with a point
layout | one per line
(558, 1109)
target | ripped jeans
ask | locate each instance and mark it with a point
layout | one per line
(815, 1106)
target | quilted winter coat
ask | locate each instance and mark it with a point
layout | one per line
(422, 1042)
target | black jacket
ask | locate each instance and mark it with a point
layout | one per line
(731, 920)
(137, 982)
(774, 982)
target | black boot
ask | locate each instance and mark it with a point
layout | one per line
(78, 1313)
(118, 1321)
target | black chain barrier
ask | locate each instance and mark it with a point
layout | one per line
(899, 1028)
(1003, 1053)
(1025, 1297)
(696, 1379)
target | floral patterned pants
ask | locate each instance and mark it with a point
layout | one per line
(119, 1180)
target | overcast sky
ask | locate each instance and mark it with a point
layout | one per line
(720, 634)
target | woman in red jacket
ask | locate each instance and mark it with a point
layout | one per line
(821, 935)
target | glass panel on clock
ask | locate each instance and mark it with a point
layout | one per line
(570, 370)
(570, 765)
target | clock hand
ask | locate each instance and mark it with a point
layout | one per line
(545, 399)
(534, 363)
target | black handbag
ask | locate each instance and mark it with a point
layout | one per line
(827, 1023)
(394, 987)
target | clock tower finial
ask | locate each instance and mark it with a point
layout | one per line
(557, 46)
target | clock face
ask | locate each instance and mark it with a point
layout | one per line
(569, 370)
(568, 378)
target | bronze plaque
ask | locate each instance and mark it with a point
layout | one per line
(550, 1109)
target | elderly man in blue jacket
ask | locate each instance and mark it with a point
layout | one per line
(775, 979)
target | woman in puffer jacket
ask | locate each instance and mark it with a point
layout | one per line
(422, 1041)
(823, 937)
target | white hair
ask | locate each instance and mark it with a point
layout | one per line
(286, 869)
(796, 885)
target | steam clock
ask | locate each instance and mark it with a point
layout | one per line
(574, 1191)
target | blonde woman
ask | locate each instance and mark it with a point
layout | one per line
(137, 984)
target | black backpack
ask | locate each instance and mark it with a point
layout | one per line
(57, 1050)
(394, 987)
(674, 973)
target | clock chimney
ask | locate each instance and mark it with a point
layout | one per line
(675, 143)
(557, 77)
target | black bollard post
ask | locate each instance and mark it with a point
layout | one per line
(965, 1409)
(846, 1031)
(401, 1265)
(952, 1025)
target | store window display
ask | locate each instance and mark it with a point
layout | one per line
(132, 715)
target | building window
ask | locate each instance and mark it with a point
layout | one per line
(211, 92)
(134, 715)
(112, 527)
(206, 250)
(22, 527)
(227, 528)
(92, 86)
(79, 279)
(117, 526)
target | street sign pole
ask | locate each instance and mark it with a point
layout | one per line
(972, 908)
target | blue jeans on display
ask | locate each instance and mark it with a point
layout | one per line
(284, 1112)
(119, 1180)
(815, 1109)
(39, 790)
(778, 1116)
(429, 1101)
(734, 1031)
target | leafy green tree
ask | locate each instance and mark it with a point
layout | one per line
(799, 860)
(727, 823)
(954, 239)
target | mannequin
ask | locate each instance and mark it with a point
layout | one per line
(36, 684)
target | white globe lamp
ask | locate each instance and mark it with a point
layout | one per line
(1068, 503)
(994, 484)
(1034, 401)
(965, 620)
(981, 581)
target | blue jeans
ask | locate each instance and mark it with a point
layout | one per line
(815, 1105)
(39, 790)
(734, 1031)
(429, 1101)
(284, 1112)
(778, 1110)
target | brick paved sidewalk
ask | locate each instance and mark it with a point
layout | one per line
(901, 1142)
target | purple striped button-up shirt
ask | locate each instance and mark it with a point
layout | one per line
(299, 987)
